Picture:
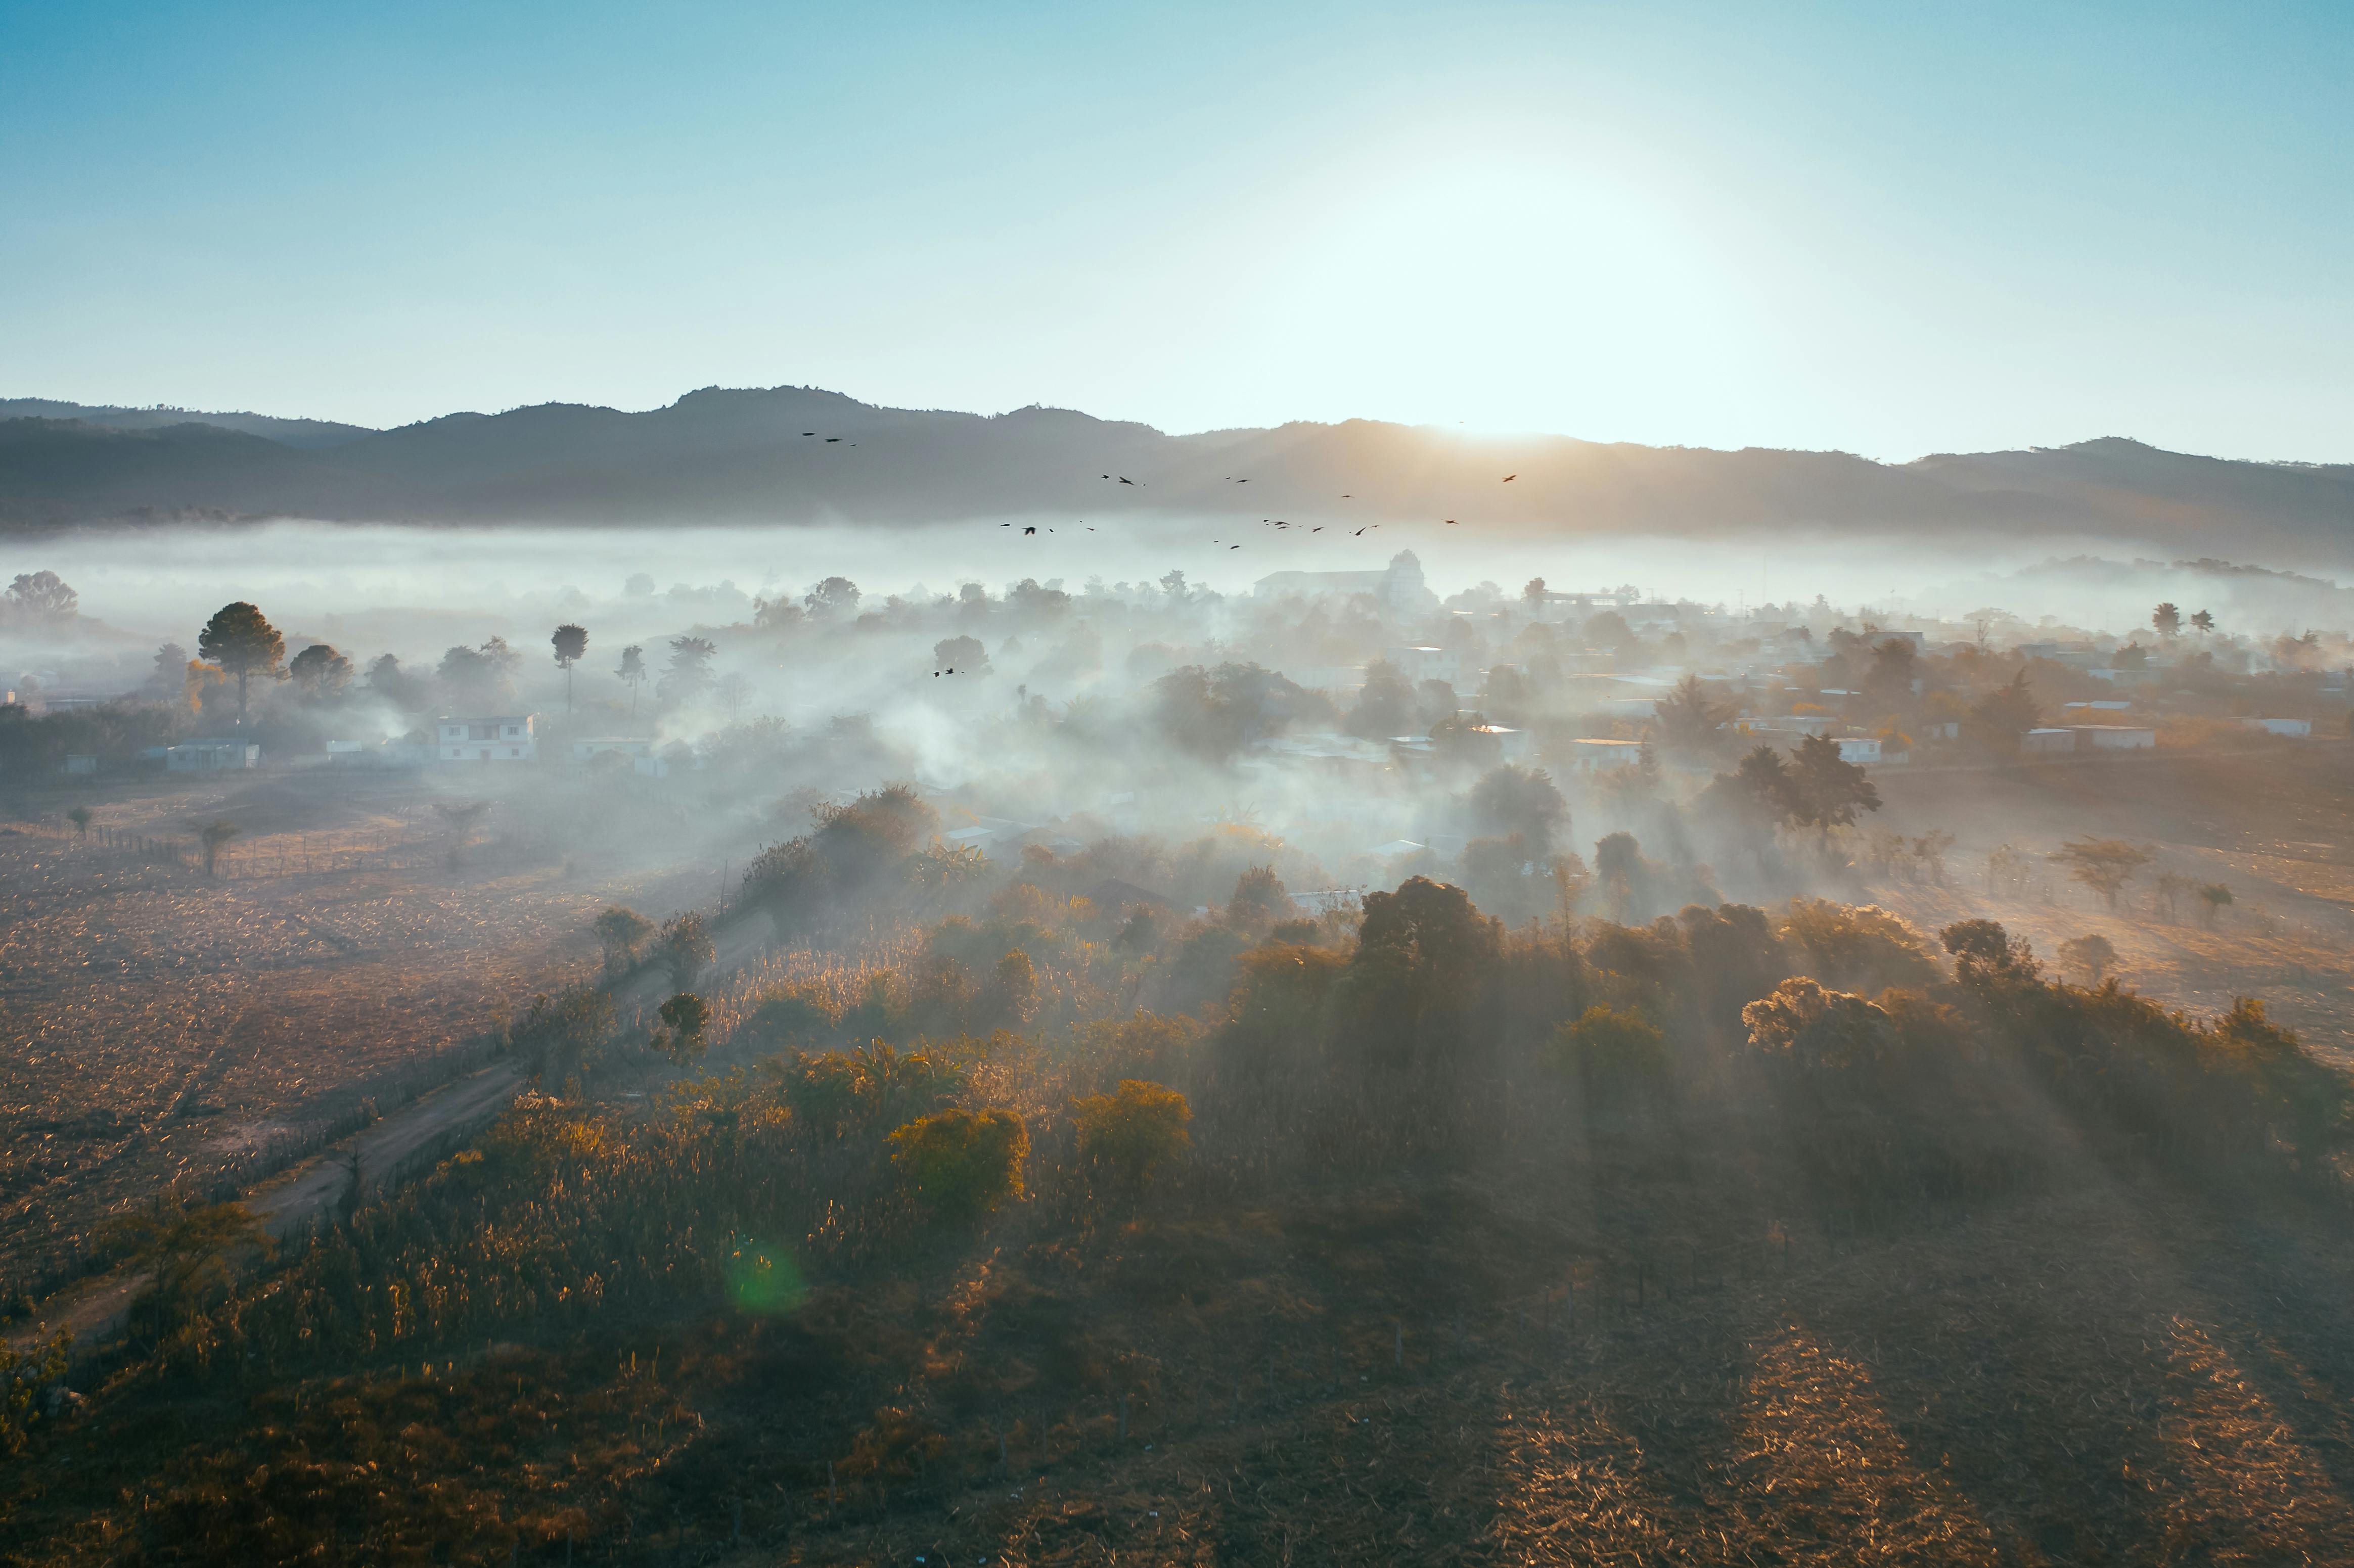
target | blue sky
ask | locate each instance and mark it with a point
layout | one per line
(1889, 229)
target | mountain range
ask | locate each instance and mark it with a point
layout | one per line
(793, 454)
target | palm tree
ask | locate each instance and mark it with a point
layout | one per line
(633, 673)
(570, 642)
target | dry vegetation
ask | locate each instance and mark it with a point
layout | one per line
(155, 1024)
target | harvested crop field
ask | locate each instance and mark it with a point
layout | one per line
(159, 1023)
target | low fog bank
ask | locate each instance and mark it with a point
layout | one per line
(1493, 715)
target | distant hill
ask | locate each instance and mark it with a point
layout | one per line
(305, 433)
(743, 455)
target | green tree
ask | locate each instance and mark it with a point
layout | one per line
(633, 673)
(571, 645)
(685, 948)
(2093, 955)
(2217, 897)
(2105, 866)
(1617, 1057)
(2168, 619)
(622, 930)
(184, 1250)
(1692, 723)
(1134, 1131)
(960, 1164)
(320, 672)
(689, 673)
(2002, 715)
(2204, 621)
(1827, 791)
(79, 816)
(1523, 802)
(684, 1017)
(239, 641)
(561, 1038)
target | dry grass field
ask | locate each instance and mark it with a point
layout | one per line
(2275, 825)
(155, 1022)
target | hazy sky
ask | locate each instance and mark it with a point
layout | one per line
(1887, 228)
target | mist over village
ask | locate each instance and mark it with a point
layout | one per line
(1354, 820)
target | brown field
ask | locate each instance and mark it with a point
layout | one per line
(2276, 826)
(159, 1023)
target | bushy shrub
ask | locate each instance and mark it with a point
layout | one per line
(962, 1164)
(1135, 1130)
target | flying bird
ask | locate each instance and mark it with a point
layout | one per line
(1234, 546)
(1028, 530)
(1508, 479)
(1125, 480)
(1319, 529)
(811, 434)
(830, 439)
(1361, 533)
(1451, 522)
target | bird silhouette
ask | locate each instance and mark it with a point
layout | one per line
(1451, 522)
(1361, 533)
(1508, 479)
(1319, 529)
(808, 432)
(1234, 546)
(1125, 480)
(830, 439)
(1028, 530)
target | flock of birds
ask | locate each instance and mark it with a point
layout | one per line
(1278, 522)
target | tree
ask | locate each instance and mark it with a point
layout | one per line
(832, 598)
(1827, 791)
(962, 1164)
(964, 655)
(79, 816)
(622, 930)
(1133, 1131)
(1617, 1057)
(2204, 621)
(184, 1250)
(684, 1017)
(1259, 900)
(41, 597)
(1532, 594)
(320, 672)
(685, 948)
(1512, 802)
(689, 672)
(2095, 954)
(571, 644)
(212, 836)
(559, 1039)
(2004, 715)
(2105, 866)
(1384, 704)
(735, 691)
(633, 673)
(167, 680)
(1888, 681)
(2168, 619)
(1690, 722)
(239, 641)
(2217, 897)
(479, 680)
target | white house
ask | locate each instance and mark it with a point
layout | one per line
(2049, 738)
(211, 756)
(505, 739)
(2300, 729)
(2114, 736)
(1603, 756)
(1858, 748)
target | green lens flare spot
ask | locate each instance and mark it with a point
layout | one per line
(763, 1278)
